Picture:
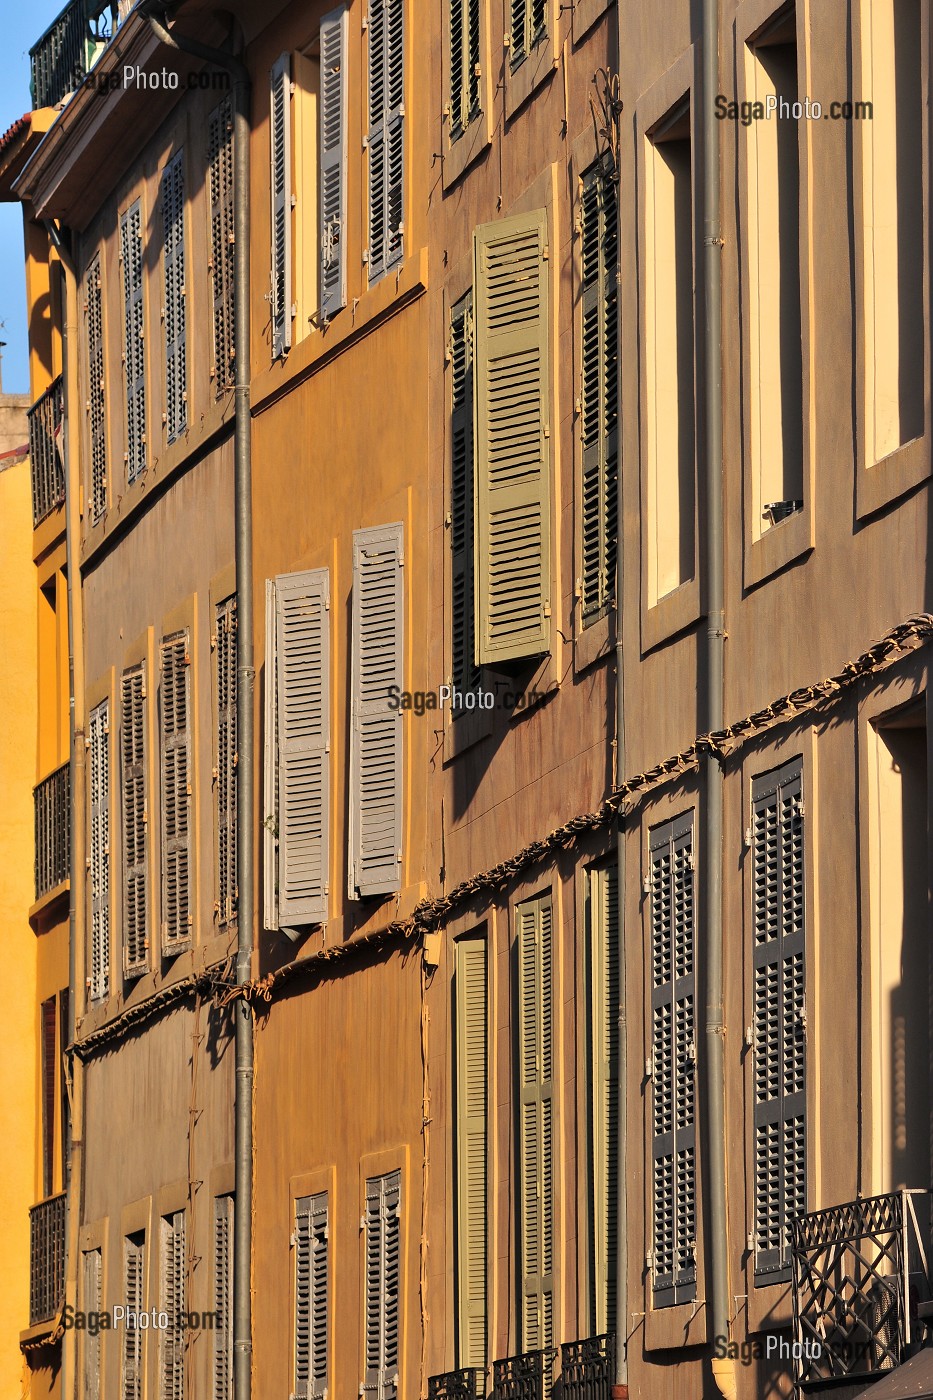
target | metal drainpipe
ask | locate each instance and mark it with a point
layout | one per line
(243, 1092)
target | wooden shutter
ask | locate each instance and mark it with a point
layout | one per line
(382, 1226)
(302, 606)
(220, 161)
(312, 1286)
(135, 819)
(225, 652)
(99, 856)
(94, 332)
(49, 1049)
(270, 784)
(536, 1125)
(464, 24)
(512, 430)
(175, 712)
(173, 259)
(376, 730)
(173, 1302)
(385, 141)
(779, 1014)
(472, 1034)
(223, 1299)
(599, 392)
(465, 673)
(333, 127)
(92, 1302)
(528, 28)
(603, 1055)
(673, 1063)
(131, 1370)
(134, 355)
(280, 128)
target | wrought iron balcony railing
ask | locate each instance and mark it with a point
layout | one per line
(586, 1369)
(46, 1259)
(465, 1384)
(859, 1271)
(64, 55)
(52, 802)
(46, 449)
(523, 1377)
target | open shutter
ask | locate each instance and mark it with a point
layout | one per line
(172, 1359)
(280, 126)
(99, 786)
(536, 1145)
(131, 1370)
(223, 1299)
(385, 139)
(175, 711)
(472, 1032)
(92, 1302)
(598, 391)
(270, 783)
(173, 252)
(94, 327)
(779, 1024)
(311, 1297)
(382, 1226)
(464, 65)
(673, 1063)
(603, 1043)
(225, 649)
(220, 162)
(512, 431)
(302, 603)
(135, 818)
(134, 366)
(372, 1322)
(465, 673)
(376, 730)
(333, 125)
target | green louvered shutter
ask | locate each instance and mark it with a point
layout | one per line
(131, 1377)
(134, 354)
(536, 1125)
(465, 674)
(99, 850)
(135, 821)
(472, 1034)
(779, 1022)
(173, 1301)
(334, 96)
(173, 262)
(220, 164)
(223, 1299)
(385, 140)
(96, 405)
(280, 128)
(175, 715)
(603, 1054)
(511, 375)
(302, 609)
(599, 392)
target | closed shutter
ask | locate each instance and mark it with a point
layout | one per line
(382, 1227)
(528, 28)
(512, 431)
(175, 711)
(472, 1034)
(536, 1126)
(135, 820)
(99, 858)
(376, 730)
(334, 96)
(131, 1378)
(173, 254)
(311, 1297)
(302, 606)
(49, 1048)
(225, 650)
(173, 1303)
(220, 162)
(465, 673)
(603, 1055)
(464, 65)
(385, 140)
(92, 1302)
(134, 354)
(270, 782)
(223, 1299)
(599, 392)
(280, 128)
(673, 1063)
(94, 328)
(779, 1015)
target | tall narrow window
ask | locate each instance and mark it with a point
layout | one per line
(175, 716)
(134, 351)
(92, 1303)
(779, 1016)
(673, 1064)
(472, 1031)
(131, 1369)
(465, 673)
(382, 1316)
(536, 1120)
(96, 403)
(333, 158)
(602, 1047)
(99, 881)
(223, 1299)
(599, 390)
(528, 26)
(385, 142)
(173, 262)
(669, 354)
(280, 154)
(220, 159)
(49, 1048)
(135, 818)
(312, 1297)
(173, 1302)
(225, 647)
(464, 23)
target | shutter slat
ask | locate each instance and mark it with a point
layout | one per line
(333, 127)
(280, 154)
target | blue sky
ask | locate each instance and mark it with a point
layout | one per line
(22, 25)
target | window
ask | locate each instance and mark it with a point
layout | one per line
(333, 157)
(472, 1031)
(96, 403)
(511, 372)
(375, 728)
(673, 1064)
(134, 1273)
(173, 1302)
(599, 389)
(223, 1299)
(779, 1016)
(528, 26)
(135, 816)
(49, 1053)
(99, 832)
(464, 20)
(312, 1302)
(134, 351)
(225, 651)
(175, 712)
(92, 1302)
(173, 263)
(602, 1052)
(382, 1322)
(535, 1094)
(385, 141)
(220, 160)
(465, 673)
(280, 141)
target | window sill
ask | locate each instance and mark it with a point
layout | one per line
(191, 962)
(585, 15)
(467, 730)
(673, 613)
(882, 482)
(46, 903)
(521, 82)
(593, 643)
(48, 532)
(459, 155)
(779, 546)
(681, 1325)
(38, 1333)
(769, 1305)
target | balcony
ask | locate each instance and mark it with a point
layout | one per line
(524, 1377)
(466, 1384)
(586, 1369)
(52, 804)
(70, 46)
(859, 1273)
(46, 452)
(46, 1259)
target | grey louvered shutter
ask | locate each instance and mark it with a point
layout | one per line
(92, 1302)
(512, 417)
(175, 716)
(376, 730)
(465, 672)
(382, 1226)
(135, 820)
(225, 651)
(94, 328)
(220, 161)
(603, 1053)
(673, 1063)
(173, 1302)
(385, 140)
(131, 1379)
(280, 128)
(333, 126)
(223, 1299)
(99, 854)
(312, 1286)
(173, 254)
(270, 783)
(599, 419)
(472, 1034)
(779, 1016)
(302, 606)
(464, 17)
(134, 355)
(536, 1126)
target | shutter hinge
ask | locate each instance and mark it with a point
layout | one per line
(800, 807)
(649, 1068)
(545, 253)
(649, 1260)
(750, 1242)
(362, 1222)
(749, 1037)
(692, 1051)
(646, 884)
(748, 838)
